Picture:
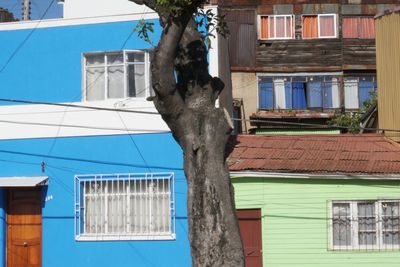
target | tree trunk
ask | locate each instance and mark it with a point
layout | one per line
(185, 96)
(213, 228)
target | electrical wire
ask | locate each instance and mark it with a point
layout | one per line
(19, 47)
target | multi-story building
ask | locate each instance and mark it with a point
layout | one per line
(301, 61)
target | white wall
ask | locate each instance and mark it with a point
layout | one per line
(36, 121)
(94, 8)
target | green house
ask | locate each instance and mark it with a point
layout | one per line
(318, 200)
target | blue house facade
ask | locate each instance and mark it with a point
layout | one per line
(90, 174)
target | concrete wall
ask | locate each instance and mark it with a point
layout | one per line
(245, 86)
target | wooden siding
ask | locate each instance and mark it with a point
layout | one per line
(242, 38)
(388, 70)
(247, 53)
(358, 52)
(302, 53)
(295, 229)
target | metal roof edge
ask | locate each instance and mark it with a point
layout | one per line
(263, 174)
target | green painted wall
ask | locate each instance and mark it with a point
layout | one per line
(295, 224)
(296, 132)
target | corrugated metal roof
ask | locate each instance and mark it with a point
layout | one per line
(363, 154)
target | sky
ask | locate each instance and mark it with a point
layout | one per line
(38, 7)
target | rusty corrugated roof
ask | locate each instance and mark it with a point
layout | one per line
(362, 154)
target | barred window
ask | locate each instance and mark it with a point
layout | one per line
(124, 206)
(365, 224)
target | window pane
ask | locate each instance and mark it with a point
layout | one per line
(265, 93)
(310, 27)
(280, 27)
(327, 26)
(116, 82)
(94, 210)
(341, 224)
(95, 83)
(366, 223)
(136, 80)
(116, 207)
(367, 28)
(115, 59)
(136, 57)
(350, 27)
(272, 27)
(390, 223)
(280, 92)
(299, 95)
(314, 94)
(94, 60)
(351, 93)
(289, 27)
(366, 88)
(264, 27)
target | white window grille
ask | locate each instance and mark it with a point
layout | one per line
(365, 224)
(118, 74)
(125, 206)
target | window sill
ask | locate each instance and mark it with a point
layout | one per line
(125, 237)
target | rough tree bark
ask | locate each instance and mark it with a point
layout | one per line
(185, 96)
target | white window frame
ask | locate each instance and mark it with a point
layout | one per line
(319, 27)
(127, 179)
(354, 225)
(125, 64)
(292, 18)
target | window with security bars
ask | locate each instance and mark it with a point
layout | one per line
(124, 207)
(119, 74)
(365, 224)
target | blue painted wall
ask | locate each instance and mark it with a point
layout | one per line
(48, 65)
(66, 157)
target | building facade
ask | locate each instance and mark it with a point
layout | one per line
(318, 200)
(302, 62)
(90, 174)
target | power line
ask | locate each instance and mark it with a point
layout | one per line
(82, 126)
(87, 160)
(18, 48)
(76, 106)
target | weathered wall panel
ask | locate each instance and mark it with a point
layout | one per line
(302, 53)
(243, 36)
(388, 70)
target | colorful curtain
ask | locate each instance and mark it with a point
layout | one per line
(367, 28)
(265, 94)
(280, 27)
(350, 27)
(299, 95)
(310, 27)
(264, 27)
(365, 89)
(314, 94)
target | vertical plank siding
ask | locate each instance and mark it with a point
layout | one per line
(388, 70)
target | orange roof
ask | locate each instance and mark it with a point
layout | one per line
(363, 154)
